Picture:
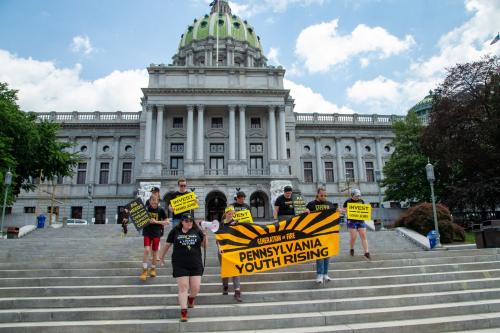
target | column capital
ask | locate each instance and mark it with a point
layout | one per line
(94, 137)
(232, 107)
(160, 107)
(242, 107)
(281, 108)
(71, 138)
(190, 107)
(117, 137)
(200, 107)
(149, 107)
(271, 108)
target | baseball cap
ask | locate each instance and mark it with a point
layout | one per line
(241, 194)
(287, 189)
(186, 217)
(155, 189)
(228, 209)
(356, 192)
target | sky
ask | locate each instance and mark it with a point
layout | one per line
(340, 56)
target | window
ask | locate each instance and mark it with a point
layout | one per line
(29, 210)
(307, 149)
(83, 149)
(289, 170)
(387, 149)
(349, 171)
(329, 172)
(176, 163)
(288, 154)
(255, 123)
(177, 148)
(104, 173)
(368, 149)
(217, 122)
(216, 165)
(348, 149)
(81, 173)
(308, 172)
(127, 173)
(258, 205)
(370, 174)
(217, 148)
(287, 136)
(105, 148)
(256, 165)
(256, 148)
(128, 148)
(60, 180)
(76, 212)
(178, 122)
(327, 149)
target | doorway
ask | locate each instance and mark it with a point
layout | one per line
(215, 203)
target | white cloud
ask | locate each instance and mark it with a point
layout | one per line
(321, 47)
(273, 55)
(44, 87)
(81, 44)
(466, 43)
(308, 101)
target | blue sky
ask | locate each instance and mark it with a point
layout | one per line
(363, 56)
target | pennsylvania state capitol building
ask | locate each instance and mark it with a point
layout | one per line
(225, 123)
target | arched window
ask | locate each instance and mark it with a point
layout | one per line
(258, 205)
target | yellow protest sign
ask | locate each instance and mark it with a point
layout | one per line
(184, 203)
(252, 248)
(359, 211)
(243, 216)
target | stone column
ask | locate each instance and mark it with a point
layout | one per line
(200, 133)
(378, 151)
(243, 135)
(190, 134)
(147, 135)
(340, 167)
(359, 156)
(116, 161)
(93, 160)
(282, 134)
(272, 133)
(319, 166)
(159, 133)
(232, 133)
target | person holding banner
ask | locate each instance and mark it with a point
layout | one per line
(358, 226)
(319, 204)
(187, 239)
(283, 206)
(176, 218)
(152, 233)
(227, 219)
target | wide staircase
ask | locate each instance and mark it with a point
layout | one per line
(85, 279)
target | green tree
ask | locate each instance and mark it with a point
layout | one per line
(464, 133)
(28, 146)
(404, 173)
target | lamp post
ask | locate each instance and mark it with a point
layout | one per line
(378, 179)
(89, 191)
(7, 182)
(429, 169)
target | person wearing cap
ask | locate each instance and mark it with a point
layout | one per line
(283, 206)
(227, 219)
(176, 218)
(318, 204)
(154, 191)
(356, 226)
(187, 238)
(152, 233)
(239, 202)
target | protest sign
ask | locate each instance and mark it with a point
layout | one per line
(251, 248)
(359, 211)
(243, 216)
(299, 204)
(138, 214)
(184, 203)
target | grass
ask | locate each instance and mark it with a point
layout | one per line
(469, 237)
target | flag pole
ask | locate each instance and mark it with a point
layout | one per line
(217, 25)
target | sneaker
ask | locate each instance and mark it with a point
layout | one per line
(144, 275)
(352, 252)
(367, 256)
(319, 278)
(184, 315)
(225, 290)
(152, 272)
(326, 278)
(237, 296)
(191, 302)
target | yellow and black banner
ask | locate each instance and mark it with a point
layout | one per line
(251, 248)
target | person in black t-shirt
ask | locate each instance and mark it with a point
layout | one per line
(356, 226)
(187, 239)
(239, 202)
(283, 206)
(320, 203)
(152, 233)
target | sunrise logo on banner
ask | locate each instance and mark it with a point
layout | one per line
(251, 248)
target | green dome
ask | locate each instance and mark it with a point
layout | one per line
(424, 106)
(223, 23)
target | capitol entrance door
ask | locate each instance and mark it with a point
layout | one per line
(215, 203)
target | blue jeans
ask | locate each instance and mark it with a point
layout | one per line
(322, 266)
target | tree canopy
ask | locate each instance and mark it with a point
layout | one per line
(28, 146)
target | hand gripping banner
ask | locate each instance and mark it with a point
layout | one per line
(251, 248)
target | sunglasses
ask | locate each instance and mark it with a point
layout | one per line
(182, 185)
(189, 221)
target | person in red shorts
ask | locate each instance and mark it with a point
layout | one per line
(152, 234)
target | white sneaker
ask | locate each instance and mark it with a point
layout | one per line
(319, 278)
(327, 278)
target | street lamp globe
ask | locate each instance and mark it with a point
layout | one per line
(8, 178)
(429, 169)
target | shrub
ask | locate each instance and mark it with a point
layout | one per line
(420, 219)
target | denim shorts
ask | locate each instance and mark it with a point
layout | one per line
(356, 224)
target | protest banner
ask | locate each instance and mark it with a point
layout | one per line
(359, 211)
(299, 204)
(251, 248)
(243, 216)
(184, 203)
(138, 214)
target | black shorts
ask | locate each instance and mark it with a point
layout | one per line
(180, 271)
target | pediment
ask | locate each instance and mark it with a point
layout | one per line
(176, 133)
(257, 134)
(216, 133)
